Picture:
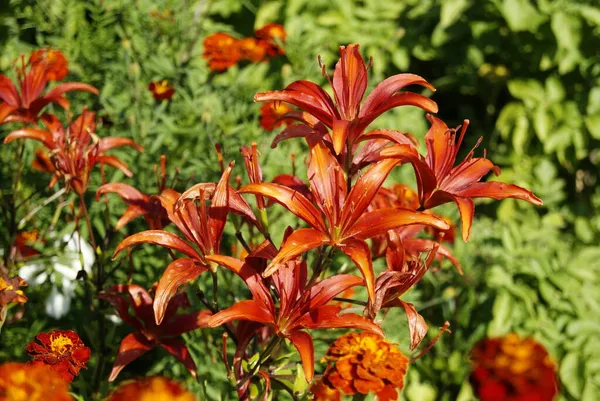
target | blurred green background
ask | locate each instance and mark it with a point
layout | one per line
(526, 73)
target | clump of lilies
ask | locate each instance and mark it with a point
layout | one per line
(346, 215)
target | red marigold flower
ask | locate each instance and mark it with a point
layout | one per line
(54, 61)
(253, 49)
(366, 363)
(161, 90)
(273, 35)
(62, 351)
(512, 368)
(31, 382)
(152, 388)
(221, 50)
(270, 112)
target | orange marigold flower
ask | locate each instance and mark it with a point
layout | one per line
(270, 112)
(323, 391)
(31, 382)
(54, 61)
(221, 50)
(512, 368)
(366, 363)
(273, 34)
(152, 389)
(161, 90)
(62, 351)
(253, 49)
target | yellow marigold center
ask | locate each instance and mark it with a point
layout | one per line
(60, 344)
(161, 87)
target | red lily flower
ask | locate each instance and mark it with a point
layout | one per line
(141, 204)
(200, 225)
(440, 181)
(346, 117)
(76, 150)
(299, 307)
(149, 334)
(61, 351)
(55, 62)
(24, 105)
(346, 225)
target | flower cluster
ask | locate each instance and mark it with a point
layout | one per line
(10, 292)
(161, 90)
(222, 50)
(155, 388)
(62, 351)
(31, 382)
(294, 283)
(362, 363)
(512, 368)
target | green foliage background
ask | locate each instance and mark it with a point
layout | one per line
(527, 75)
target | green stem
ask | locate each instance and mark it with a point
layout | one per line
(215, 287)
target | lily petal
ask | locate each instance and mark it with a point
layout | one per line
(243, 310)
(360, 254)
(180, 351)
(416, 324)
(377, 222)
(499, 190)
(184, 323)
(297, 243)
(178, 272)
(329, 317)
(292, 200)
(111, 142)
(303, 342)
(349, 81)
(157, 237)
(31, 133)
(132, 347)
(325, 290)
(114, 162)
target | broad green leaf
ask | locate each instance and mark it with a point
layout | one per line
(268, 12)
(451, 11)
(567, 30)
(555, 91)
(571, 374)
(501, 312)
(542, 123)
(521, 15)
(592, 123)
(528, 90)
(300, 383)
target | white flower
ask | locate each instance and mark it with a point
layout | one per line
(62, 271)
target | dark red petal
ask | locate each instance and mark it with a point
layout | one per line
(416, 324)
(132, 347)
(179, 350)
(184, 323)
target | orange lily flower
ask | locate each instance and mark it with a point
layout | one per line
(200, 225)
(346, 226)
(161, 90)
(75, 150)
(148, 334)
(140, 204)
(440, 181)
(299, 307)
(55, 62)
(24, 105)
(345, 116)
(221, 50)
